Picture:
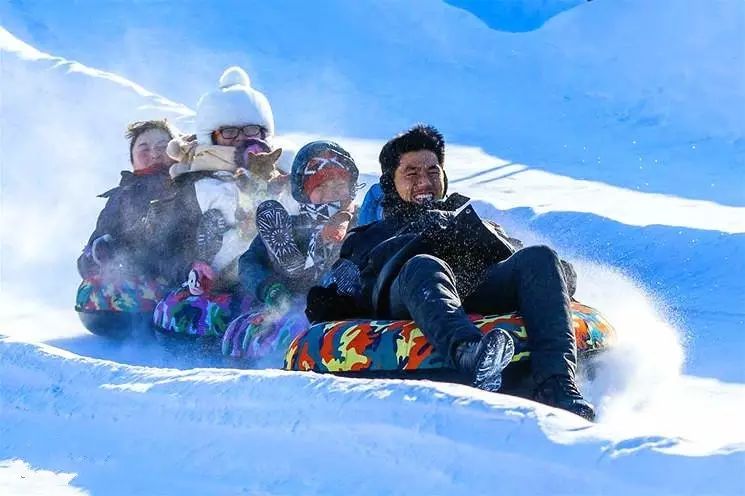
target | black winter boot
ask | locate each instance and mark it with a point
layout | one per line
(561, 391)
(485, 359)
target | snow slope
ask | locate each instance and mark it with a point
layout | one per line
(136, 430)
(666, 269)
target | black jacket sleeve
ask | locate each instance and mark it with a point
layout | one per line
(109, 222)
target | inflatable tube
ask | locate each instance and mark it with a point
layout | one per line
(118, 308)
(183, 314)
(362, 346)
(261, 334)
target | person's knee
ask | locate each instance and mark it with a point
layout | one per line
(539, 255)
(424, 266)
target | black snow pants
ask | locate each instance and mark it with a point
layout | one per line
(531, 282)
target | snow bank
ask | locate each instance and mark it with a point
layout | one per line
(17, 477)
(125, 430)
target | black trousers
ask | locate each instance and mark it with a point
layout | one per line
(530, 282)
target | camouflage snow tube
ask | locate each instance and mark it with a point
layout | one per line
(357, 346)
(118, 307)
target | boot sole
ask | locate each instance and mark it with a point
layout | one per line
(586, 413)
(496, 353)
(275, 228)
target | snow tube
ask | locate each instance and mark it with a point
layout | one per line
(261, 334)
(183, 314)
(356, 346)
(118, 308)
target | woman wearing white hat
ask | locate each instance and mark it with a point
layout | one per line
(234, 107)
(221, 174)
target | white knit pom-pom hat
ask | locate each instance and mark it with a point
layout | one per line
(234, 103)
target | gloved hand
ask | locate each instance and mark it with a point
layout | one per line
(336, 228)
(105, 258)
(325, 304)
(276, 294)
(182, 148)
(102, 249)
(94, 255)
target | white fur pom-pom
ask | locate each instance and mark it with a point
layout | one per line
(234, 76)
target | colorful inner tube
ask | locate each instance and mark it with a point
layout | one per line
(184, 314)
(385, 345)
(120, 307)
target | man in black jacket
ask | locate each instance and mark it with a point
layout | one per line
(434, 260)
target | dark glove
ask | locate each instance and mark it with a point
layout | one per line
(325, 304)
(95, 256)
(434, 223)
(102, 249)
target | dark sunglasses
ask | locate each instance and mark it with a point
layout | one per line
(250, 131)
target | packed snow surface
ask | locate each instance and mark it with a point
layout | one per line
(611, 130)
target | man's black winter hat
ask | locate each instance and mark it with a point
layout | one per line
(419, 137)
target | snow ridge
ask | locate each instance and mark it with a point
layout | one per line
(223, 431)
(13, 45)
